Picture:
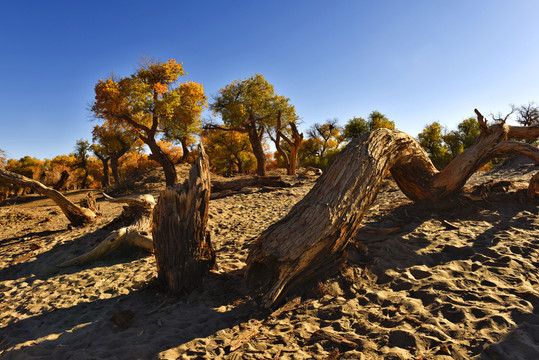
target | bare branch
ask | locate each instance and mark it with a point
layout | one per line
(482, 121)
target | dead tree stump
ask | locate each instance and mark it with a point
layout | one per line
(182, 246)
(311, 239)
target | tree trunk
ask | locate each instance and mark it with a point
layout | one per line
(294, 144)
(78, 216)
(114, 167)
(311, 239)
(297, 138)
(163, 159)
(183, 249)
(106, 179)
(258, 150)
(185, 149)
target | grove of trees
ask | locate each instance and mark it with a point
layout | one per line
(257, 128)
(151, 103)
(251, 106)
(151, 107)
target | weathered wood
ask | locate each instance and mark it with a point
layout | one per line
(183, 250)
(309, 169)
(259, 181)
(78, 216)
(311, 239)
(420, 181)
(89, 202)
(139, 208)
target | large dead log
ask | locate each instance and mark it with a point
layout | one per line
(183, 249)
(311, 239)
(258, 181)
(77, 216)
(139, 210)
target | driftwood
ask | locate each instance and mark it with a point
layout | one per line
(311, 239)
(258, 181)
(309, 169)
(77, 215)
(135, 235)
(183, 249)
(221, 189)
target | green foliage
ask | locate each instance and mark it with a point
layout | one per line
(454, 143)
(251, 106)
(358, 126)
(355, 127)
(82, 149)
(322, 146)
(228, 152)
(432, 141)
(443, 146)
(468, 131)
(378, 120)
(251, 102)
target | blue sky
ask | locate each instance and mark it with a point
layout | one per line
(415, 61)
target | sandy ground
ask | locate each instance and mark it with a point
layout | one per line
(454, 282)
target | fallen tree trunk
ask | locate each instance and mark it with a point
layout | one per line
(183, 249)
(311, 239)
(258, 181)
(77, 216)
(139, 209)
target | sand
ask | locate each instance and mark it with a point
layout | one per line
(453, 282)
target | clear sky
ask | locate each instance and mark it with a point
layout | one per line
(415, 61)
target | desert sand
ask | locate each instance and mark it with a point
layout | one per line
(457, 281)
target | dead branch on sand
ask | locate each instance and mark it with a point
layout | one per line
(135, 235)
(77, 215)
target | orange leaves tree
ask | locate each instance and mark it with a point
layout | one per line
(251, 106)
(147, 102)
(186, 118)
(111, 142)
(228, 151)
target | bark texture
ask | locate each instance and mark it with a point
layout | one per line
(311, 239)
(77, 216)
(183, 249)
(139, 208)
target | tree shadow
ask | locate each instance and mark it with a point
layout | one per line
(160, 322)
(403, 261)
(46, 263)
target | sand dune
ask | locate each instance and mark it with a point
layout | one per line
(453, 282)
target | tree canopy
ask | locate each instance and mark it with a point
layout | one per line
(357, 126)
(443, 146)
(147, 101)
(251, 106)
